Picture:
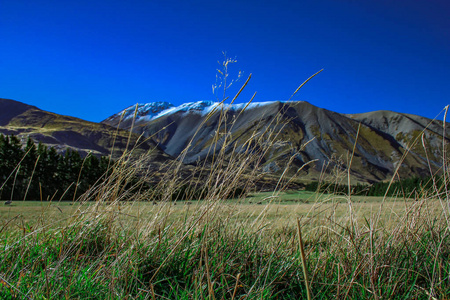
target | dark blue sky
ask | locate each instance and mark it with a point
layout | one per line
(91, 59)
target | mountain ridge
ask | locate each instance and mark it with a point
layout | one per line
(382, 137)
(303, 131)
(63, 132)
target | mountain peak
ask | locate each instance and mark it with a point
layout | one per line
(148, 110)
(12, 108)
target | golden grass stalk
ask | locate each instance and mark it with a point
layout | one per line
(303, 260)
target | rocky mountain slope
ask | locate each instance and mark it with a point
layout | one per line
(64, 132)
(295, 133)
(287, 134)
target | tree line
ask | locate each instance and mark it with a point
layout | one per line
(39, 172)
(408, 187)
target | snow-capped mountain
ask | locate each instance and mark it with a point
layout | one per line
(147, 110)
(154, 110)
(383, 137)
(303, 132)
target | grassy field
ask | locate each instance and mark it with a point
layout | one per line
(280, 207)
(356, 248)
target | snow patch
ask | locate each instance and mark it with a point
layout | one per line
(144, 110)
(153, 110)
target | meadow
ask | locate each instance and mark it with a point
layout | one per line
(279, 208)
(249, 248)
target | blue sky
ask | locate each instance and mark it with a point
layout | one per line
(91, 59)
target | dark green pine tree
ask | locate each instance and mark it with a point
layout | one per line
(44, 183)
(11, 155)
(28, 166)
(54, 176)
(70, 168)
(4, 171)
(91, 170)
(3, 167)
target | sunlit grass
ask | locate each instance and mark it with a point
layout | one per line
(80, 250)
(283, 208)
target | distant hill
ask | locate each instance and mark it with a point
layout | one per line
(64, 132)
(383, 138)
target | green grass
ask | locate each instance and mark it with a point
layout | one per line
(191, 251)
